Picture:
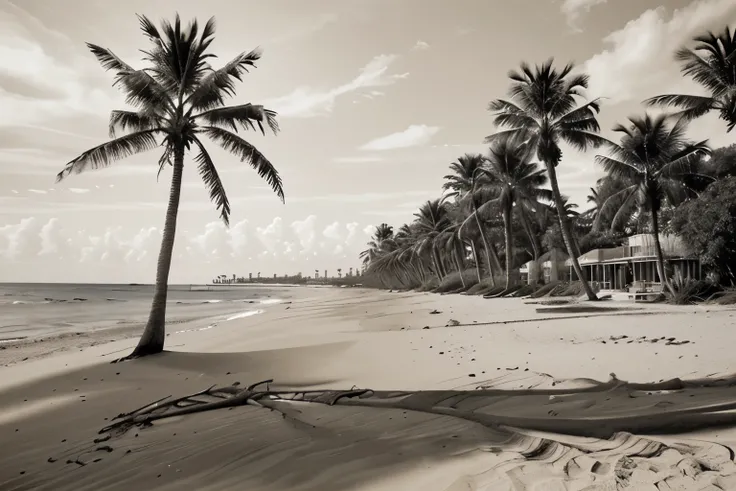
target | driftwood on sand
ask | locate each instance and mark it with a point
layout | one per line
(681, 411)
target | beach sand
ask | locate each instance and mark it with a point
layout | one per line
(513, 396)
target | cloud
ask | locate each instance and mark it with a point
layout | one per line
(574, 9)
(80, 190)
(639, 61)
(305, 233)
(420, 46)
(415, 135)
(358, 160)
(43, 73)
(15, 239)
(38, 191)
(305, 102)
(53, 249)
(271, 235)
(333, 231)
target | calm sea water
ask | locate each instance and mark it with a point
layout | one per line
(38, 309)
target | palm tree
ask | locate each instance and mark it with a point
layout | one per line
(432, 220)
(176, 100)
(712, 64)
(516, 182)
(463, 185)
(544, 111)
(384, 233)
(652, 162)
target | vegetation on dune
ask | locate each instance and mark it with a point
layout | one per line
(499, 210)
(176, 101)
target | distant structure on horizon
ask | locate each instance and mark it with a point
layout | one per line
(224, 279)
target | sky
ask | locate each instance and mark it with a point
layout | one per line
(375, 99)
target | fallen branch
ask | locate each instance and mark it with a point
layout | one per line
(465, 405)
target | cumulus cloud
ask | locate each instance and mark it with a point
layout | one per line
(305, 233)
(271, 235)
(57, 250)
(415, 135)
(333, 231)
(306, 102)
(421, 46)
(639, 59)
(574, 9)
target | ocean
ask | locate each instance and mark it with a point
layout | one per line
(32, 310)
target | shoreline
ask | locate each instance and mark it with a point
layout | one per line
(338, 338)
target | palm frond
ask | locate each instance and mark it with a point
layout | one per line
(248, 116)
(214, 87)
(691, 106)
(111, 151)
(140, 88)
(686, 161)
(247, 153)
(618, 169)
(212, 181)
(131, 121)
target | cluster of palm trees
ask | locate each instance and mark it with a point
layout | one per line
(506, 206)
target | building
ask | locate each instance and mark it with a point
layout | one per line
(635, 264)
(617, 268)
(553, 268)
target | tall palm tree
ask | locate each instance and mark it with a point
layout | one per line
(653, 161)
(515, 181)
(176, 101)
(467, 172)
(712, 64)
(544, 110)
(432, 220)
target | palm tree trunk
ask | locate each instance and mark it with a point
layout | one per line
(152, 340)
(536, 246)
(438, 261)
(567, 237)
(459, 265)
(477, 260)
(658, 249)
(494, 264)
(509, 246)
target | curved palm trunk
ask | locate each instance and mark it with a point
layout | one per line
(438, 262)
(536, 246)
(658, 249)
(477, 261)
(509, 245)
(567, 237)
(152, 340)
(494, 264)
(459, 265)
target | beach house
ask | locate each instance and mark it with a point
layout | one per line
(551, 266)
(635, 263)
(617, 268)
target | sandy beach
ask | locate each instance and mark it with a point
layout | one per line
(513, 395)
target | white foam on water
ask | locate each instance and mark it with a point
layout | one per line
(242, 315)
(197, 329)
(271, 301)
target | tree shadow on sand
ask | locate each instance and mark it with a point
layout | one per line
(336, 439)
